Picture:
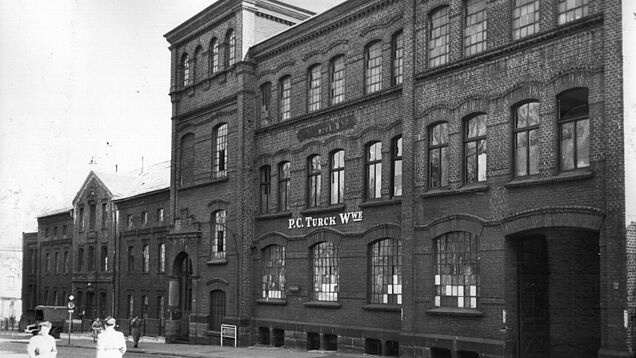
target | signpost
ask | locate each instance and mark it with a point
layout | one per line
(71, 306)
(228, 330)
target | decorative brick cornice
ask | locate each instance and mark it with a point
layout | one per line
(382, 26)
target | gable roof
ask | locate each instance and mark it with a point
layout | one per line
(156, 177)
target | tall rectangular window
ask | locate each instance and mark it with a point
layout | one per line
(64, 230)
(526, 139)
(438, 40)
(55, 232)
(574, 129)
(46, 233)
(92, 209)
(66, 262)
(337, 83)
(56, 263)
(336, 174)
(146, 258)
(284, 185)
(129, 221)
(217, 310)
(131, 306)
(570, 10)
(144, 218)
(525, 18)
(218, 243)
(91, 258)
(285, 98)
(185, 71)
(475, 149)
(266, 98)
(396, 160)
(456, 270)
(313, 95)
(397, 55)
(220, 151)
(438, 156)
(265, 188)
(313, 181)
(214, 59)
(273, 271)
(47, 265)
(104, 258)
(145, 306)
(81, 218)
(161, 306)
(373, 67)
(131, 258)
(325, 271)
(80, 259)
(160, 217)
(161, 257)
(230, 49)
(374, 170)
(386, 272)
(475, 27)
(104, 215)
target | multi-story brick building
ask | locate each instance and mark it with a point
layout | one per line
(424, 178)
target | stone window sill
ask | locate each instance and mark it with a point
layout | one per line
(466, 189)
(382, 307)
(323, 304)
(217, 261)
(272, 301)
(562, 177)
(447, 311)
(376, 203)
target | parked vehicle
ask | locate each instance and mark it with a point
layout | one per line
(54, 314)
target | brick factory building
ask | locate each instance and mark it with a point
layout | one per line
(415, 178)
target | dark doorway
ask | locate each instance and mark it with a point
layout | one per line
(183, 270)
(534, 298)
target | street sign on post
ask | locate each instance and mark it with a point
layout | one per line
(71, 306)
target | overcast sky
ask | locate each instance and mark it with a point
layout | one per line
(89, 79)
(82, 80)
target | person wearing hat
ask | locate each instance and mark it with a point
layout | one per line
(135, 328)
(42, 345)
(110, 343)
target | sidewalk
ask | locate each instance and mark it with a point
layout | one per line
(152, 347)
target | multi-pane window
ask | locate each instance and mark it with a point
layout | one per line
(574, 129)
(186, 162)
(104, 258)
(185, 70)
(217, 310)
(438, 155)
(214, 58)
(337, 80)
(284, 187)
(386, 272)
(266, 97)
(373, 67)
(144, 218)
(131, 258)
(570, 10)
(265, 185)
(336, 175)
(456, 270)
(526, 132)
(80, 259)
(438, 40)
(325, 271)
(313, 181)
(374, 170)
(220, 152)
(475, 27)
(160, 217)
(161, 258)
(396, 167)
(525, 18)
(397, 56)
(230, 49)
(219, 234)
(313, 95)
(475, 149)
(284, 86)
(146, 258)
(273, 282)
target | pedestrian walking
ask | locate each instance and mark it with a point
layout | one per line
(96, 328)
(135, 326)
(42, 345)
(110, 343)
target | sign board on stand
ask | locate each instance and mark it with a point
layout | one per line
(229, 331)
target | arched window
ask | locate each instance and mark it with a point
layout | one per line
(284, 185)
(475, 149)
(456, 270)
(273, 271)
(336, 175)
(230, 48)
(438, 38)
(373, 67)
(214, 55)
(198, 64)
(386, 271)
(218, 245)
(337, 80)
(475, 27)
(265, 185)
(186, 160)
(574, 129)
(220, 152)
(374, 170)
(313, 88)
(397, 57)
(526, 139)
(185, 70)
(284, 88)
(313, 181)
(217, 310)
(325, 271)
(438, 156)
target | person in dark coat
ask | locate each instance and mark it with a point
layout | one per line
(135, 326)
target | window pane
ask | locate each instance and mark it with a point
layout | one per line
(583, 143)
(567, 145)
(475, 27)
(386, 272)
(285, 98)
(438, 38)
(373, 73)
(398, 58)
(521, 146)
(220, 152)
(455, 271)
(525, 18)
(337, 80)
(314, 88)
(325, 272)
(534, 152)
(273, 272)
(570, 10)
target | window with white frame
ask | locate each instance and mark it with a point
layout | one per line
(161, 257)
(325, 271)
(273, 271)
(373, 67)
(219, 234)
(214, 58)
(265, 185)
(284, 86)
(438, 155)
(456, 270)
(266, 97)
(230, 48)
(185, 70)
(396, 167)
(146, 258)
(337, 83)
(220, 152)
(284, 185)
(397, 56)
(574, 129)
(313, 95)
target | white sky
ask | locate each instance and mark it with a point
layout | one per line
(82, 79)
(76, 75)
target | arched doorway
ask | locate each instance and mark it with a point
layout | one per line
(182, 270)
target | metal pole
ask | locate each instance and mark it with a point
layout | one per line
(70, 325)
